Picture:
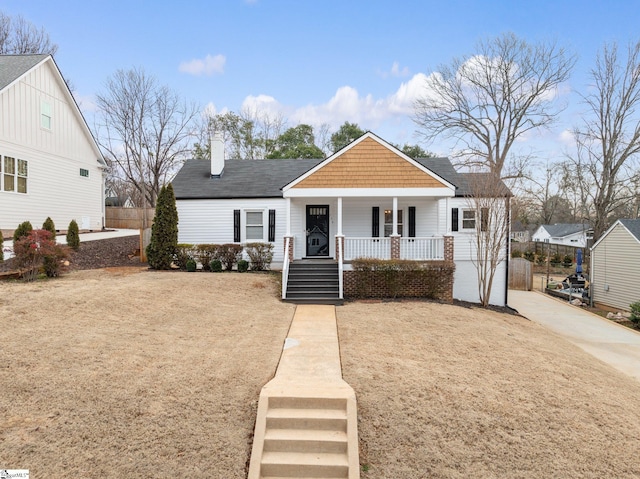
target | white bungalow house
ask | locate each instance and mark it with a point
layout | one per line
(614, 271)
(50, 164)
(366, 200)
(568, 234)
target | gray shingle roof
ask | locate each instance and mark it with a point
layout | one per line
(561, 230)
(14, 66)
(265, 178)
(240, 178)
(633, 226)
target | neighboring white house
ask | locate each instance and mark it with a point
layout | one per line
(615, 266)
(563, 234)
(50, 164)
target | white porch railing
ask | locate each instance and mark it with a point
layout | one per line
(367, 248)
(340, 269)
(422, 248)
(285, 267)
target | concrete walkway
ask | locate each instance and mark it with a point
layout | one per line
(306, 424)
(612, 343)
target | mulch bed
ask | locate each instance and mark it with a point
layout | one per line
(113, 252)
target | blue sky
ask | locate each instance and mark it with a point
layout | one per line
(316, 62)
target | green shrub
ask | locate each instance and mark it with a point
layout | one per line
(567, 261)
(73, 236)
(516, 253)
(229, 254)
(243, 266)
(164, 232)
(215, 266)
(21, 231)
(529, 255)
(541, 259)
(50, 227)
(556, 259)
(184, 252)
(205, 253)
(260, 255)
(53, 263)
(191, 265)
(1, 247)
(377, 278)
(635, 313)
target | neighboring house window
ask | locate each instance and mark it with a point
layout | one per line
(45, 115)
(388, 222)
(84, 172)
(14, 174)
(254, 226)
(468, 219)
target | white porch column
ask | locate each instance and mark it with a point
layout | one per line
(288, 216)
(394, 232)
(339, 227)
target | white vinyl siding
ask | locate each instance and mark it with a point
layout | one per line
(614, 273)
(52, 157)
(211, 221)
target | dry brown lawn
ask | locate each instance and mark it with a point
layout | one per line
(129, 373)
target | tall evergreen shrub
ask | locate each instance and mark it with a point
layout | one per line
(73, 236)
(50, 227)
(21, 231)
(164, 232)
(1, 249)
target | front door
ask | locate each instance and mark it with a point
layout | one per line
(317, 230)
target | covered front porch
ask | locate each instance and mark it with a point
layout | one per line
(340, 230)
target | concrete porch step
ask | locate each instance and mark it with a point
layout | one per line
(304, 465)
(301, 440)
(314, 419)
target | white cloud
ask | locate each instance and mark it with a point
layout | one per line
(395, 72)
(208, 66)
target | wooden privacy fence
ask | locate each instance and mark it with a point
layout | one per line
(520, 274)
(128, 218)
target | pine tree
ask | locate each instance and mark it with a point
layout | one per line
(21, 231)
(50, 227)
(164, 232)
(73, 236)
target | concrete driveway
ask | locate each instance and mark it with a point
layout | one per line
(613, 344)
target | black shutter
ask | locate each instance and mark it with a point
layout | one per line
(375, 221)
(236, 226)
(454, 219)
(272, 225)
(412, 221)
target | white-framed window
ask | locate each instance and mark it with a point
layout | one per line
(388, 222)
(84, 172)
(14, 174)
(468, 219)
(45, 115)
(254, 225)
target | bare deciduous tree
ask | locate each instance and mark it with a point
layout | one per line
(489, 198)
(144, 130)
(486, 102)
(19, 36)
(608, 142)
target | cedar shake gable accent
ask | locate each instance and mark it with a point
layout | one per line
(369, 163)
